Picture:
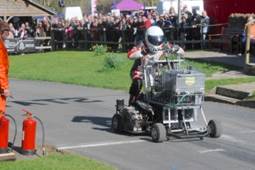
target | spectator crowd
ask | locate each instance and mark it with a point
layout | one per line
(27, 30)
(114, 30)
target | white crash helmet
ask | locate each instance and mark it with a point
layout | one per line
(154, 38)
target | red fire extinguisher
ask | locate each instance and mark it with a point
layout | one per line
(29, 134)
(4, 132)
(28, 145)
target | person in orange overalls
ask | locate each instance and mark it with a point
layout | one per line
(4, 66)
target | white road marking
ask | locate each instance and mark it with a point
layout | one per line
(92, 145)
(232, 139)
(247, 132)
(99, 144)
(211, 150)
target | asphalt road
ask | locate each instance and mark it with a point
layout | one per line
(78, 119)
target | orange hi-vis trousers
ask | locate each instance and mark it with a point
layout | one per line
(2, 104)
(4, 69)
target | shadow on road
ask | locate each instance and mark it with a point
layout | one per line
(102, 121)
(68, 100)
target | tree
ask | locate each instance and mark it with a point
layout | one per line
(84, 4)
(104, 6)
(149, 2)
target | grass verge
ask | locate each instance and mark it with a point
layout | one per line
(56, 161)
(210, 84)
(89, 69)
(209, 68)
(252, 97)
(82, 68)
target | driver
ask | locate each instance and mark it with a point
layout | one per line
(151, 47)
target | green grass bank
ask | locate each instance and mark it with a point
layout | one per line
(56, 161)
(110, 70)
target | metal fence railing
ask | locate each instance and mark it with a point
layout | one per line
(189, 37)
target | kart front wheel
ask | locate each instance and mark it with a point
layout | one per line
(158, 132)
(117, 125)
(214, 129)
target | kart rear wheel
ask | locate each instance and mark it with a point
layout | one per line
(158, 132)
(117, 125)
(214, 129)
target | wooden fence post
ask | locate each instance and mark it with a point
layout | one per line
(248, 45)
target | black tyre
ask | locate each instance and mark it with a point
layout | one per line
(214, 129)
(117, 125)
(158, 132)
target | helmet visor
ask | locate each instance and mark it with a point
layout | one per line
(156, 40)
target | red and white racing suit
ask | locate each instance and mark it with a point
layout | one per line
(139, 54)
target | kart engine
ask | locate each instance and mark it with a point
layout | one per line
(170, 85)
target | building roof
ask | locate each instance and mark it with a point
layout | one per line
(46, 9)
(10, 8)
